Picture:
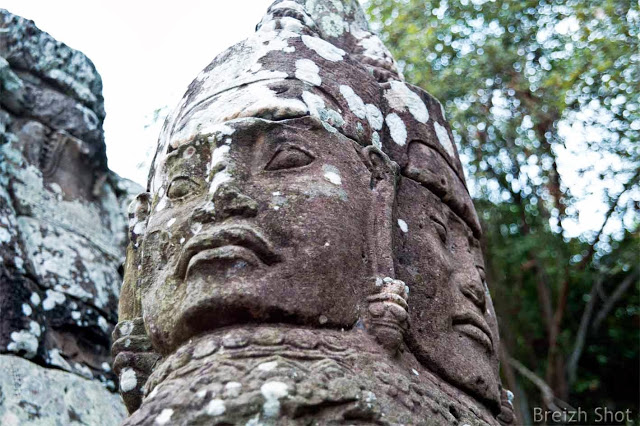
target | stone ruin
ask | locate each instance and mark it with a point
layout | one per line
(62, 234)
(307, 251)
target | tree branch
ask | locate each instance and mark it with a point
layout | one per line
(549, 399)
(572, 363)
(614, 298)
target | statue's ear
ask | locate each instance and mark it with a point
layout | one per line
(384, 175)
(130, 304)
(387, 310)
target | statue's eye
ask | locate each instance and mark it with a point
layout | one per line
(181, 187)
(440, 228)
(289, 158)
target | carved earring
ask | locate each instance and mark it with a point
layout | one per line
(388, 315)
(387, 310)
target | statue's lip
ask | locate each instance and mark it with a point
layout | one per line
(475, 327)
(238, 238)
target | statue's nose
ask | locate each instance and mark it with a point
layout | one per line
(472, 287)
(226, 201)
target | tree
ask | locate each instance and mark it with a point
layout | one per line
(544, 100)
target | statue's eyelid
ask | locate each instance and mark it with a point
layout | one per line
(440, 222)
(272, 164)
(442, 229)
(482, 272)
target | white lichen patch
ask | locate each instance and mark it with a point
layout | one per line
(333, 25)
(330, 118)
(196, 227)
(56, 359)
(323, 48)
(332, 174)
(34, 328)
(128, 380)
(216, 407)
(162, 204)
(277, 201)
(403, 226)
(308, 71)
(397, 129)
(154, 392)
(219, 178)
(52, 299)
(232, 389)
(401, 98)
(83, 370)
(23, 340)
(372, 46)
(443, 138)
(164, 417)
(356, 105)
(218, 156)
(374, 117)
(268, 366)
(26, 309)
(5, 235)
(35, 299)
(126, 327)
(69, 264)
(272, 393)
(375, 140)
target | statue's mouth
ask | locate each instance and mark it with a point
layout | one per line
(474, 327)
(226, 242)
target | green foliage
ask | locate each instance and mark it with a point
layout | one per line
(544, 101)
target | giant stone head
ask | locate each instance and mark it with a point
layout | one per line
(302, 188)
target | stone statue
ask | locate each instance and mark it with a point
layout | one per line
(307, 251)
(63, 234)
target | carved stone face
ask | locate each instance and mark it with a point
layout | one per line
(264, 224)
(453, 324)
(262, 209)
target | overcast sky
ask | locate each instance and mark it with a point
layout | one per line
(147, 53)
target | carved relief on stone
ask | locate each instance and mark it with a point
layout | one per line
(307, 249)
(62, 234)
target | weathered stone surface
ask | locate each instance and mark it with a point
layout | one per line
(307, 251)
(28, 49)
(32, 395)
(62, 218)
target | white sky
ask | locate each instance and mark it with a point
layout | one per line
(147, 53)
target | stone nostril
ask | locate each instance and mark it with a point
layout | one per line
(203, 214)
(229, 201)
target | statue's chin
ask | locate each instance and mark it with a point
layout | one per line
(209, 305)
(464, 361)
